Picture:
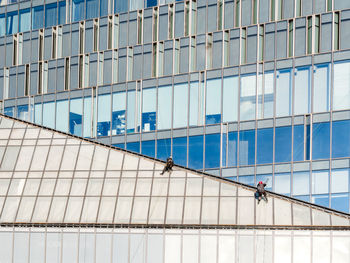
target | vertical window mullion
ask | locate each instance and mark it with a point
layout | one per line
(336, 35)
(290, 38)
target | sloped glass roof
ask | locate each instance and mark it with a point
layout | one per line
(51, 177)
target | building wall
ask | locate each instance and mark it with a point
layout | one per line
(171, 245)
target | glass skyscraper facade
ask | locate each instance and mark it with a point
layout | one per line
(248, 90)
(65, 199)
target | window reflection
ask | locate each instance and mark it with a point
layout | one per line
(265, 146)
(12, 23)
(180, 105)
(340, 139)
(103, 115)
(38, 17)
(195, 152)
(149, 109)
(302, 91)
(213, 101)
(341, 91)
(24, 20)
(230, 99)
(118, 113)
(321, 87)
(212, 150)
(283, 92)
(320, 140)
(283, 144)
(248, 97)
(247, 147)
(164, 107)
(51, 15)
(164, 150)
(75, 116)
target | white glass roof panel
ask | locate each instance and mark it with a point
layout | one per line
(80, 181)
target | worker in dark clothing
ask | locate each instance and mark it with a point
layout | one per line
(260, 192)
(168, 166)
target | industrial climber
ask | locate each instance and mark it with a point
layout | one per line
(168, 166)
(260, 192)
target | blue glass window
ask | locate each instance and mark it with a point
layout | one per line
(104, 115)
(268, 94)
(38, 107)
(340, 202)
(247, 147)
(2, 24)
(248, 97)
(180, 105)
(62, 112)
(24, 20)
(12, 23)
(61, 12)
(246, 179)
(151, 3)
(148, 148)
(164, 107)
(282, 183)
(341, 139)
(212, 150)
(51, 15)
(77, 10)
(305, 198)
(76, 116)
(149, 109)
(119, 145)
(196, 104)
(301, 183)
(131, 111)
(283, 93)
(283, 144)
(180, 150)
(264, 146)
(120, 6)
(322, 76)
(118, 113)
(49, 114)
(320, 182)
(164, 149)
(230, 99)
(341, 91)
(320, 200)
(87, 117)
(91, 8)
(22, 112)
(9, 111)
(298, 143)
(213, 100)
(320, 141)
(135, 4)
(133, 146)
(195, 152)
(232, 149)
(302, 91)
(340, 180)
(224, 149)
(103, 7)
(38, 17)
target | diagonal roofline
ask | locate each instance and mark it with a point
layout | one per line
(284, 197)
